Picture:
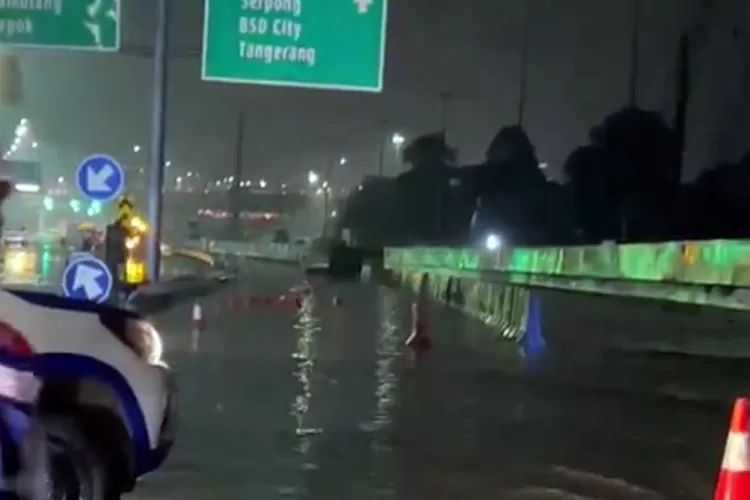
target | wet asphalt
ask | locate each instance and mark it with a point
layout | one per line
(324, 402)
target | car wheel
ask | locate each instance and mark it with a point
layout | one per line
(73, 468)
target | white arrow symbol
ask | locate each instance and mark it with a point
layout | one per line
(363, 5)
(97, 181)
(85, 279)
(93, 8)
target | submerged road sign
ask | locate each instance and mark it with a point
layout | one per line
(70, 24)
(87, 279)
(331, 44)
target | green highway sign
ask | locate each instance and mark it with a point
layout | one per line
(61, 24)
(325, 44)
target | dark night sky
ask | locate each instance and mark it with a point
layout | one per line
(81, 103)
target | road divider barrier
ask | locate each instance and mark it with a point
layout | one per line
(282, 252)
(712, 273)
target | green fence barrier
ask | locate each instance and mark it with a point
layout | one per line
(719, 262)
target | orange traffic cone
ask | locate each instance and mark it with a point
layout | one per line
(419, 340)
(197, 316)
(734, 478)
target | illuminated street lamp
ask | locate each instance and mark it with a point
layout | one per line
(397, 140)
(136, 149)
(34, 145)
(263, 184)
(313, 178)
(342, 161)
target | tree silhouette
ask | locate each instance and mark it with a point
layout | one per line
(629, 168)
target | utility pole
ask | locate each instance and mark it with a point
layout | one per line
(327, 187)
(381, 152)
(445, 102)
(634, 54)
(524, 69)
(682, 91)
(158, 129)
(236, 194)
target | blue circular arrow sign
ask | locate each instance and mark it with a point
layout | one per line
(100, 178)
(87, 278)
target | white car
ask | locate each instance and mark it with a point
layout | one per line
(107, 401)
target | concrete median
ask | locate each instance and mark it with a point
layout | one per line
(152, 299)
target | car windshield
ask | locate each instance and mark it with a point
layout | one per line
(396, 249)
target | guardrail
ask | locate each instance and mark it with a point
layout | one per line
(267, 251)
(720, 262)
(701, 272)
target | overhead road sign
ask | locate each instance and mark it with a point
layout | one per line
(332, 44)
(100, 178)
(92, 25)
(87, 278)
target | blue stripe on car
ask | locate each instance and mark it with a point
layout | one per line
(66, 365)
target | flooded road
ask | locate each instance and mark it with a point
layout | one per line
(325, 403)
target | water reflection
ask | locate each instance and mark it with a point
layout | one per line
(387, 349)
(307, 328)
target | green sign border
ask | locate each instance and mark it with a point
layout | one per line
(301, 85)
(79, 48)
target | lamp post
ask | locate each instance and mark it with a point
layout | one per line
(158, 126)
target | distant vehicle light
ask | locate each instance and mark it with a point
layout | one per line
(17, 262)
(27, 188)
(492, 242)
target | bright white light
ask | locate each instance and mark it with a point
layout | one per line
(334, 213)
(319, 191)
(21, 130)
(543, 165)
(325, 185)
(179, 180)
(13, 148)
(18, 262)
(168, 163)
(262, 184)
(17, 141)
(397, 139)
(24, 121)
(136, 149)
(492, 242)
(34, 144)
(60, 180)
(313, 178)
(27, 188)
(342, 161)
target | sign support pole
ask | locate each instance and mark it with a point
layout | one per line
(158, 126)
